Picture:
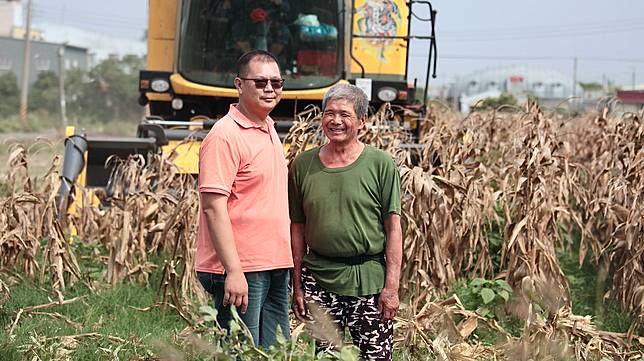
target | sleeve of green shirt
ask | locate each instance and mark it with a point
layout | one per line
(390, 192)
(295, 195)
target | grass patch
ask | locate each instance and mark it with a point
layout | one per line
(4, 188)
(417, 354)
(36, 122)
(587, 288)
(109, 312)
(588, 284)
(42, 122)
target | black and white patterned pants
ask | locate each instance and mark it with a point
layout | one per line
(360, 314)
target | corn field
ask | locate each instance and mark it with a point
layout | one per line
(532, 175)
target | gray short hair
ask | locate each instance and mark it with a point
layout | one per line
(351, 94)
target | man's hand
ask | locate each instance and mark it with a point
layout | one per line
(298, 306)
(236, 291)
(388, 303)
(223, 241)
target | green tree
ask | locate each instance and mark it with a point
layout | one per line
(591, 86)
(44, 93)
(76, 87)
(112, 90)
(9, 93)
(494, 103)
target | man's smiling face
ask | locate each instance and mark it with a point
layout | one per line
(340, 123)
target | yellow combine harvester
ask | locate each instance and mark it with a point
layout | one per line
(192, 49)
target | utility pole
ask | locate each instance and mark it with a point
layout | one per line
(454, 91)
(24, 90)
(633, 78)
(61, 84)
(604, 84)
(574, 83)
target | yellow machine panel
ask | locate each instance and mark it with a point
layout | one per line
(161, 34)
(380, 18)
(158, 58)
(186, 156)
(183, 86)
(164, 17)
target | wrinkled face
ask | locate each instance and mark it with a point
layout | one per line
(340, 123)
(263, 99)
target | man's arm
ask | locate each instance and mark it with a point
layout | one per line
(221, 233)
(298, 249)
(388, 302)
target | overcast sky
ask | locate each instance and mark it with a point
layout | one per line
(549, 33)
(605, 36)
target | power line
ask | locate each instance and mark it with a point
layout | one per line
(540, 28)
(496, 57)
(544, 35)
(85, 12)
(98, 23)
(624, 60)
(526, 57)
(87, 20)
(604, 26)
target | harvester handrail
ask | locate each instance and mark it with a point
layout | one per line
(174, 123)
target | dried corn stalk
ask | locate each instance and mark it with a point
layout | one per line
(526, 174)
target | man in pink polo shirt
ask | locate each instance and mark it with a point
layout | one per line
(243, 242)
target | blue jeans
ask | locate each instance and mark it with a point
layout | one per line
(267, 303)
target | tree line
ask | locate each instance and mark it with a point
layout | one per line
(107, 92)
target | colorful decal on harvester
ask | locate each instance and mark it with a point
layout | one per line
(379, 57)
(378, 18)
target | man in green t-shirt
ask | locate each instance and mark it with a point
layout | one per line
(344, 201)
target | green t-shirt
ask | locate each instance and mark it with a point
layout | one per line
(343, 210)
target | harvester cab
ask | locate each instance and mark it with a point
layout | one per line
(192, 49)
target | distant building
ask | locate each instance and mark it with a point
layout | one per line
(549, 86)
(10, 16)
(44, 56)
(632, 100)
(12, 19)
(101, 46)
(467, 101)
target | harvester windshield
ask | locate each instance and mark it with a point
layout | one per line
(303, 34)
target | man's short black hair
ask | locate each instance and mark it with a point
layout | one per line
(247, 57)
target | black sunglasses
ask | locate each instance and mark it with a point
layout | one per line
(261, 83)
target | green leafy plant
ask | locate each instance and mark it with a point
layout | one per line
(237, 344)
(486, 297)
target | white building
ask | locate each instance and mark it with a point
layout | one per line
(10, 16)
(549, 86)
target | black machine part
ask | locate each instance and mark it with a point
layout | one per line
(93, 152)
(73, 163)
(98, 150)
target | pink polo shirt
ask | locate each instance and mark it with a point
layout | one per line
(245, 162)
